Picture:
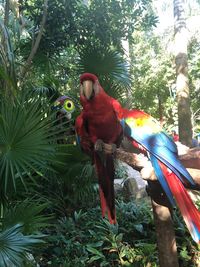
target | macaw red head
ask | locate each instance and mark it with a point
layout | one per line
(90, 86)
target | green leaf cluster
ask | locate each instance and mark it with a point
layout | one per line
(15, 246)
(84, 239)
(101, 22)
(27, 140)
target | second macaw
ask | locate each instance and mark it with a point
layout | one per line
(100, 119)
(64, 105)
(145, 132)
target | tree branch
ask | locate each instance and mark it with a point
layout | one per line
(7, 9)
(191, 160)
(37, 41)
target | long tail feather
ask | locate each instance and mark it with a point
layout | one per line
(105, 172)
(160, 175)
(102, 202)
(190, 213)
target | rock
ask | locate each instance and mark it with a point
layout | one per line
(133, 187)
(131, 173)
(131, 190)
(118, 186)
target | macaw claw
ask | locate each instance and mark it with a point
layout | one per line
(100, 146)
(110, 148)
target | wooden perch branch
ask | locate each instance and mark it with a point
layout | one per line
(191, 161)
(137, 161)
(195, 173)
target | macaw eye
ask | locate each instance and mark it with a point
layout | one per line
(69, 105)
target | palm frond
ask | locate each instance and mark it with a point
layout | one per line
(27, 140)
(14, 246)
(73, 183)
(29, 213)
(47, 91)
(108, 65)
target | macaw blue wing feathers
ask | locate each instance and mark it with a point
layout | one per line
(162, 179)
(172, 175)
(161, 146)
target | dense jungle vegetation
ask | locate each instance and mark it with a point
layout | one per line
(49, 205)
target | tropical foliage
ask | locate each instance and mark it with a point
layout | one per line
(15, 246)
(83, 239)
(49, 207)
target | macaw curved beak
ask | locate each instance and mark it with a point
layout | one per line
(88, 89)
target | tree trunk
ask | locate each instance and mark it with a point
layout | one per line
(167, 249)
(7, 9)
(181, 42)
(160, 110)
(126, 48)
(37, 41)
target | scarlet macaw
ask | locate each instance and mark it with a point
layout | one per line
(145, 132)
(100, 120)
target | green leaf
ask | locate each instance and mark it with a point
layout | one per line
(184, 254)
(96, 244)
(94, 251)
(14, 246)
(139, 227)
(27, 140)
(94, 258)
(119, 237)
(29, 213)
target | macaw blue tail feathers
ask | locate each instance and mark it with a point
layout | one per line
(160, 176)
(190, 213)
(162, 147)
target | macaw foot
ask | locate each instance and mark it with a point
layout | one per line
(100, 146)
(110, 148)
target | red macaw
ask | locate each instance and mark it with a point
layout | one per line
(100, 120)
